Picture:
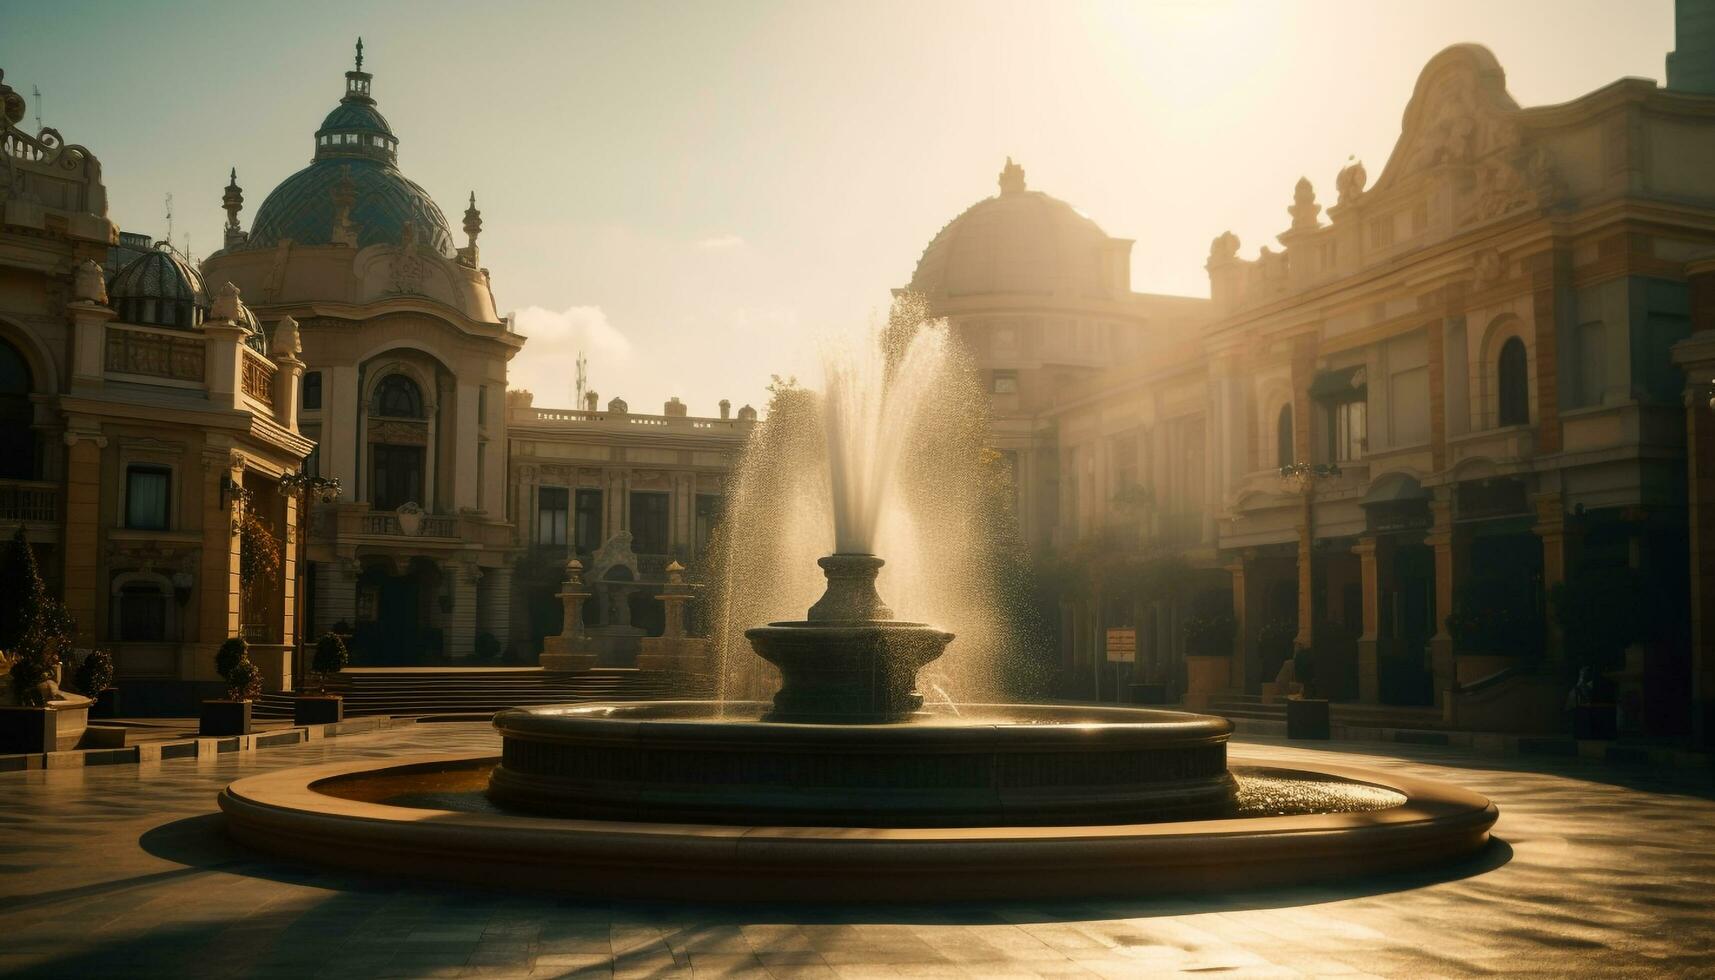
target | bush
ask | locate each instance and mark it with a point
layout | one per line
(34, 627)
(95, 674)
(244, 681)
(1497, 615)
(28, 674)
(487, 646)
(331, 656)
(1210, 634)
(231, 653)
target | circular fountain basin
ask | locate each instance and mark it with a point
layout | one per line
(427, 818)
(989, 764)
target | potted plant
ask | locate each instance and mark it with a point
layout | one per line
(35, 629)
(231, 715)
(95, 680)
(1306, 714)
(322, 708)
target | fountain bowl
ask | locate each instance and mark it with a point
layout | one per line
(991, 764)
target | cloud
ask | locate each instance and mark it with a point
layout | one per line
(548, 363)
(720, 243)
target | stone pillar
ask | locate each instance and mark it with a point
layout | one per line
(461, 622)
(81, 588)
(1306, 637)
(1241, 671)
(219, 591)
(89, 344)
(1550, 528)
(494, 612)
(1372, 554)
(1442, 538)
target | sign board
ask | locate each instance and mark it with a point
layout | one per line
(1122, 646)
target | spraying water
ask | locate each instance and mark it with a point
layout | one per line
(889, 459)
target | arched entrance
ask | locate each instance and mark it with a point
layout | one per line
(395, 611)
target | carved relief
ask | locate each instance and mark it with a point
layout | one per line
(1489, 266)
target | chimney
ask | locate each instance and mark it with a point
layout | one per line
(591, 401)
(726, 409)
(674, 409)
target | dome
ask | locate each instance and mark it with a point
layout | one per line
(1019, 241)
(382, 200)
(160, 289)
(354, 144)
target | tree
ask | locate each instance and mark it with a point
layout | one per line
(34, 627)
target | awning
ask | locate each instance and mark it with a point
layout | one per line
(1339, 382)
(1394, 487)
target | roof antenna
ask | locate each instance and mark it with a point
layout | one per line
(169, 219)
(36, 93)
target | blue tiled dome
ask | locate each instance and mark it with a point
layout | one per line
(160, 289)
(302, 207)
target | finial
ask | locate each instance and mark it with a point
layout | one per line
(235, 175)
(360, 54)
(1011, 178)
(1304, 207)
(233, 202)
(472, 221)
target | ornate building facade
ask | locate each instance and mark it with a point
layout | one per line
(404, 389)
(145, 423)
(1466, 372)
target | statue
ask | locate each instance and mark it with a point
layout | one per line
(286, 341)
(1224, 247)
(1304, 208)
(88, 284)
(1011, 178)
(1350, 181)
(225, 306)
(615, 553)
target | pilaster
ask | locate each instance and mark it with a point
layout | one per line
(1550, 528)
(84, 443)
(461, 622)
(1444, 540)
(1369, 642)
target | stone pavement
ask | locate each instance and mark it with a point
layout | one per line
(121, 871)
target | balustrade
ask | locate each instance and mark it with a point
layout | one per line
(155, 354)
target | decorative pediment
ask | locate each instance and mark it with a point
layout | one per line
(1459, 113)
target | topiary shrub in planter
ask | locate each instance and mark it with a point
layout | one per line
(35, 629)
(323, 708)
(231, 715)
(95, 680)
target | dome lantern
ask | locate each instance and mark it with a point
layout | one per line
(355, 128)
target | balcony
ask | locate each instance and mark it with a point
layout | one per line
(29, 502)
(1508, 444)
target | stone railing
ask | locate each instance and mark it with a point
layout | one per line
(156, 353)
(258, 379)
(29, 502)
(431, 526)
(575, 418)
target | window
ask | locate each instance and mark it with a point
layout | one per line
(588, 521)
(551, 515)
(398, 397)
(1006, 382)
(1514, 384)
(142, 614)
(1348, 430)
(649, 532)
(17, 438)
(313, 462)
(707, 516)
(395, 476)
(146, 497)
(1408, 401)
(1284, 450)
(312, 399)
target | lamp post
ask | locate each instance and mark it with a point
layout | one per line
(1302, 478)
(306, 488)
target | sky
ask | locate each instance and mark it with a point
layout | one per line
(694, 194)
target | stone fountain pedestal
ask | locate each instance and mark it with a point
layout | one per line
(570, 651)
(675, 651)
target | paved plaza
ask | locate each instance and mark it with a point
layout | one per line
(122, 871)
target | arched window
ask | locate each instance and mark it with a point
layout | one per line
(1283, 437)
(1514, 384)
(397, 397)
(17, 437)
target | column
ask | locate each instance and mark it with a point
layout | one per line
(1242, 669)
(1306, 637)
(218, 587)
(1443, 539)
(82, 523)
(494, 610)
(461, 622)
(1369, 674)
(1550, 528)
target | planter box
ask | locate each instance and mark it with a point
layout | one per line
(1306, 718)
(55, 728)
(225, 718)
(106, 704)
(318, 709)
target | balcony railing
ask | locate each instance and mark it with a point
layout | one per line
(29, 502)
(155, 354)
(258, 380)
(432, 525)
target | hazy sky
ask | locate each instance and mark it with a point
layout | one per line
(692, 192)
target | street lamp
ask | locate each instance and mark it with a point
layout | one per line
(306, 488)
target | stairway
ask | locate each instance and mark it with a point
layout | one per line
(415, 691)
(1250, 708)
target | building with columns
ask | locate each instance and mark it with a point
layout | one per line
(580, 477)
(1466, 366)
(404, 389)
(145, 423)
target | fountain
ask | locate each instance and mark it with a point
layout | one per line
(844, 784)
